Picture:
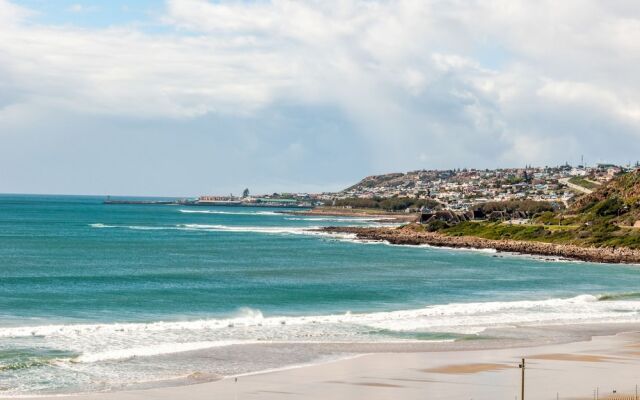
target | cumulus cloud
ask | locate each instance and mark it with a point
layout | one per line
(422, 83)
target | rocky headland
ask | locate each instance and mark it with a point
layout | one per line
(407, 236)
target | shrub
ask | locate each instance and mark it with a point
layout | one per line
(608, 207)
(434, 226)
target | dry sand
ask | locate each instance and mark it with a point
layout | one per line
(573, 370)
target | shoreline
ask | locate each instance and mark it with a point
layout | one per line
(403, 236)
(380, 373)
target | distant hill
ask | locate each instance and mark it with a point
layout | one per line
(393, 179)
(617, 201)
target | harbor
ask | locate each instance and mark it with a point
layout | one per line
(218, 201)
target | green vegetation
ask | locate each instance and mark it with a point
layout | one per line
(577, 180)
(386, 204)
(617, 203)
(599, 235)
(497, 230)
(530, 207)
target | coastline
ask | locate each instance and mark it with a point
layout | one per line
(404, 236)
(603, 355)
(345, 268)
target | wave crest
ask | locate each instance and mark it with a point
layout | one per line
(444, 317)
(267, 213)
(619, 296)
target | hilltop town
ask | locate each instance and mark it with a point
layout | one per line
(461, 189)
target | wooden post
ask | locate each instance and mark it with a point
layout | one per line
(522, 380)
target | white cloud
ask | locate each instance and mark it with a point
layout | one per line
(11, 14)
(419, 79)
(81, 8)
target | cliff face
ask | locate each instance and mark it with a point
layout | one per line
(408, 236)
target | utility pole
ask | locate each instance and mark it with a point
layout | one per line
(522, 380)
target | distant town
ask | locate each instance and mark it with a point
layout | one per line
(455, 189)
(461, 189)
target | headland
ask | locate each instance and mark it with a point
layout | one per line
(407, 235)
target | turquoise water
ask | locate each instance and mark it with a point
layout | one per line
(94, 297)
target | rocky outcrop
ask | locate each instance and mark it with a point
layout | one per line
(408, 236)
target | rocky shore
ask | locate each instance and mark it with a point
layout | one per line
(408, 236)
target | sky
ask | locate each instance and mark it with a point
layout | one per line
(189, 97)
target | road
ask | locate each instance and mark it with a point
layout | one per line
(573, 186)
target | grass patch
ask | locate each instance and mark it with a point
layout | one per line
(577, 180)
(599, 235)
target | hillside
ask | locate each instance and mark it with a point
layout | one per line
(604, 218)
(618, 202)
(393, 179)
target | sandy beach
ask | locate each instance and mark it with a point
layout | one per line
(568, 370)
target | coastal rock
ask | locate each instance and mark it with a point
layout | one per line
(407, 236)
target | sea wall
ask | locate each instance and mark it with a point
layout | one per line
(411, 237)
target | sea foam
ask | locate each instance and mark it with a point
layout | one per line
(250, 324)
(154, 350)
(267, 213)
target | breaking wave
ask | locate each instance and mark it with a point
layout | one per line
(619, 296)
(112, 341)
(271, 213)
(338, 219)
(280, 230)
(98, 225)
(255, 229)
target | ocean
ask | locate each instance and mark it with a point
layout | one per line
(98, 297)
